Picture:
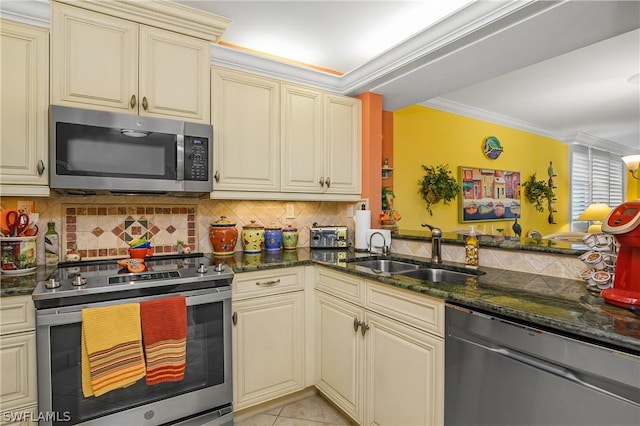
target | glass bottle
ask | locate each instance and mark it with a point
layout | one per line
(471, 249)
(51, 245)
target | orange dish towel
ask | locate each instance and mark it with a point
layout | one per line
(112, 356)
(164, 333)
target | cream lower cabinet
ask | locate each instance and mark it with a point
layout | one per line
(379, 354)
(18, 378)
(24, 102)
(107, 63)
(268, 335)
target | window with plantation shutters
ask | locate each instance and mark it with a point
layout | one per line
(596, 176)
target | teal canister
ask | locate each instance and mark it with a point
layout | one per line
(290, 237)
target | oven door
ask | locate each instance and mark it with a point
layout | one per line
(205, 390)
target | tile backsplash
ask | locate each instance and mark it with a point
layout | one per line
(102, 226)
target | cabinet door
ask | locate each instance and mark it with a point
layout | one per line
(302, 142)
(246, 124)
(174, 75)
(268, 348)
(24, 92)
(340, 353)
(404, 374)
(18, 368)
(94, 60)
(343, 152)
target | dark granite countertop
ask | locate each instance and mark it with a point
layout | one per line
(507, 243)
(557, 304)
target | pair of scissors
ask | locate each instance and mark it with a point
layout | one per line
(17, 221)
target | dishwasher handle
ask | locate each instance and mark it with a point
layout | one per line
(533, 362)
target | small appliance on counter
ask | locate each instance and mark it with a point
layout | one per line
(334, 236)
(624, 224)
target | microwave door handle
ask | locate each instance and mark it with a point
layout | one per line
(179, 157)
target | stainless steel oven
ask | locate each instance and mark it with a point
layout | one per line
(204, 394)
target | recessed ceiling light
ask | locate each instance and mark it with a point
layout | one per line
(634, 79)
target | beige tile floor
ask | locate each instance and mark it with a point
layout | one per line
(310, 411)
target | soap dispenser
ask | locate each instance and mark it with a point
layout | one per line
(471, 249)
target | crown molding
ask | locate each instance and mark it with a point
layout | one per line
(484, 115)
(32, 12)
(585, 139)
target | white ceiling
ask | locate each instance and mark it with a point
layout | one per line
(557, 68)
(551, 68)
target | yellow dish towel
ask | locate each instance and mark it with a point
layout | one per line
(112, 356)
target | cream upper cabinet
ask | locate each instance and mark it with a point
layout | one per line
(268, 336)
(321, 142)
(281, 141)
(24, 92)
(342, 135)
(245, 117)
(302, 139)
(103, 62)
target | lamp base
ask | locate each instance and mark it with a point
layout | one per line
(596, 228)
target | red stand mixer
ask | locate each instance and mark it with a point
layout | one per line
(624, 224)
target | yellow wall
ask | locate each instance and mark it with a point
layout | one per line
(633, 188)
(427, 136)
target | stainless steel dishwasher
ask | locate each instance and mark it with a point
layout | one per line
(499, 372)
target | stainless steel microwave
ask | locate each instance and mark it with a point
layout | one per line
(98, 152)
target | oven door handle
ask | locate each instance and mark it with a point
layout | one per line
(73, 314)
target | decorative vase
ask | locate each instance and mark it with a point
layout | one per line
(253, 237)
(223, 235)
(273, 237)
(290, 238)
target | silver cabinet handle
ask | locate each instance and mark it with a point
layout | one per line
(268, 283)
(364, 328)
(145, 104)
(40, 167)
(132, 101)
(234, 318)
(321, 181)
(216, 176)
(328, 182)
(356, 324)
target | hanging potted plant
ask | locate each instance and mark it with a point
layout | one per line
(538, 193)
(438, 184)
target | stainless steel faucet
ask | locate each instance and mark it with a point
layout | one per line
(436, 243)
(385, 248)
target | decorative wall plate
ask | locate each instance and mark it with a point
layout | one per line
(492, 147)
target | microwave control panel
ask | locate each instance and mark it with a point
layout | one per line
(196, 155)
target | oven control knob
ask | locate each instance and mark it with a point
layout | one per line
(52, 283)
(219, 267)
(202, 269)
(78, 281)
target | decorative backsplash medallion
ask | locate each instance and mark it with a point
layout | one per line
(104, 231)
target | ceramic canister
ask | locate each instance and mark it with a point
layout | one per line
(289, 237)
(252, 237)
(18, 255)
(273, 237)
(223, 236)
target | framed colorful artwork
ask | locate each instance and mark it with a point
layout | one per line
(488, 194)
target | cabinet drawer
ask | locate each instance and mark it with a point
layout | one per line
(261, 283)
(16, 314)
(340, 285)
(414, 309)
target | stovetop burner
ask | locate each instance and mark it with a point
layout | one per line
(102, 280)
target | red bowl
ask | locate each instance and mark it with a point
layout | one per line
(140, 253)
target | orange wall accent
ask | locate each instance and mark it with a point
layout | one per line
(372, 153)
(387, 144)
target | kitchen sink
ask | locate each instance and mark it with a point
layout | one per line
(438, 275)
(385, 265)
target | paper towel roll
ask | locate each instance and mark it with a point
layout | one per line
(363, 224)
